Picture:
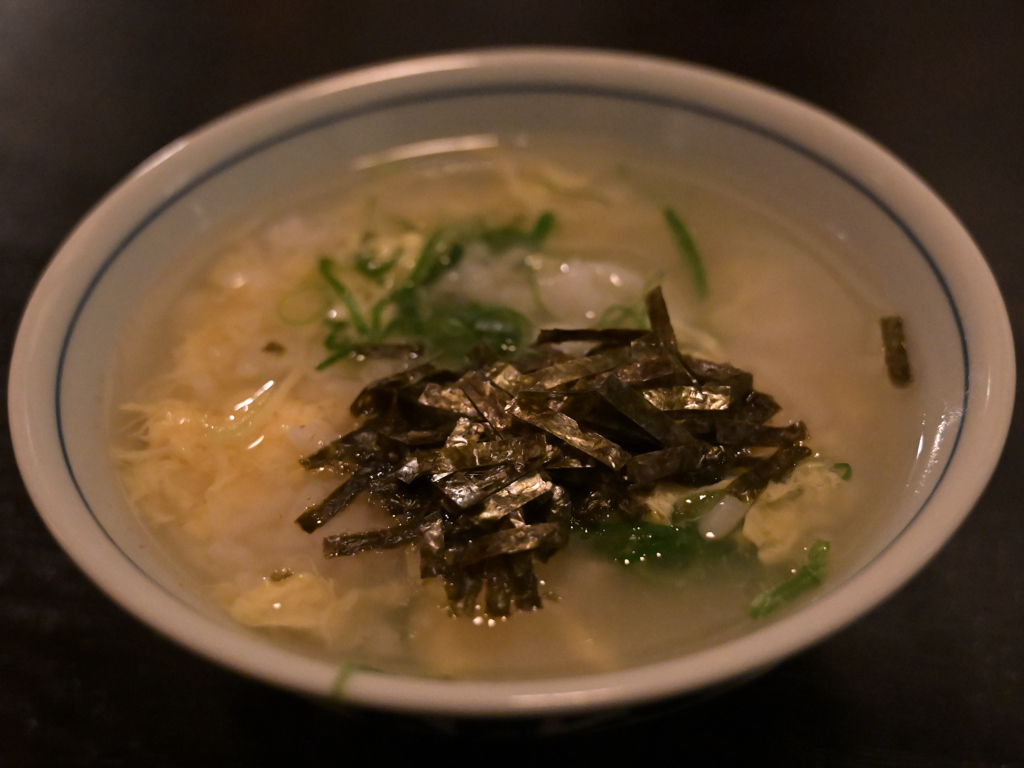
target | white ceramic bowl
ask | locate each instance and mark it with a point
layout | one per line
(770, 144)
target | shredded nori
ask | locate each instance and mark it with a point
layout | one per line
(486, 470)
(385, 538)
(340, 498)
(708, 398)
(653, 421)
(776, 468)
(896, 360)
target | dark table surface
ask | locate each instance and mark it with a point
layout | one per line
(934, 677)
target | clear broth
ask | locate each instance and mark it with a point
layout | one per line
(220, 485)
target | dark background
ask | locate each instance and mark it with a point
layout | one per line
(88, 90)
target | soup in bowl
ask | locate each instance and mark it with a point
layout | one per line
(511, 383)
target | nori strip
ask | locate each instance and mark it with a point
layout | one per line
(373, 443)
(711, 397)
(577, 368)
(516, 494)
(481, 357)
(404, 501)
(593, 412)
(465, 432)
(596, 509)
(652, 420)
(716, 466)
(340, 498)
(511, 582)
(745, 433)
(517, 450)
(632, 506)
(525, 587)
(472, 487)
(775, 468)
(573, 472)
(897, 363)
(555, 401)
(648, 347)
(567, 429)
(462, 588)
(384, 538)
(571, 462)
(534, 358)
(421, 437)
(663, 333)
(431, 546)
(498, 579)
(614, 426)
(740, 382)
(352, 450)
(448, 398)
(508, 541)
(507, 377)
(661, 323)
(559, 514)
(376, 397)
(641, 371)
(387, 351)
(757, 407)
(489, 400)
(648, 468)
(616, 336)
(699, 423)
(339, 453)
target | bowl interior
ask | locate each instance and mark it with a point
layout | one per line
(150, 235)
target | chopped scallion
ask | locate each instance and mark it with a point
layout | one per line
(844, 470)
(688, 250)
(501, 239)
(369, 266)
(326, 267)
(439, 254)
(654, 545)
(807, 577)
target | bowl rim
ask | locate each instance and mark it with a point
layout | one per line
(989, 392)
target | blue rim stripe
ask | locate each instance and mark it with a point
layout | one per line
(516, 89)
